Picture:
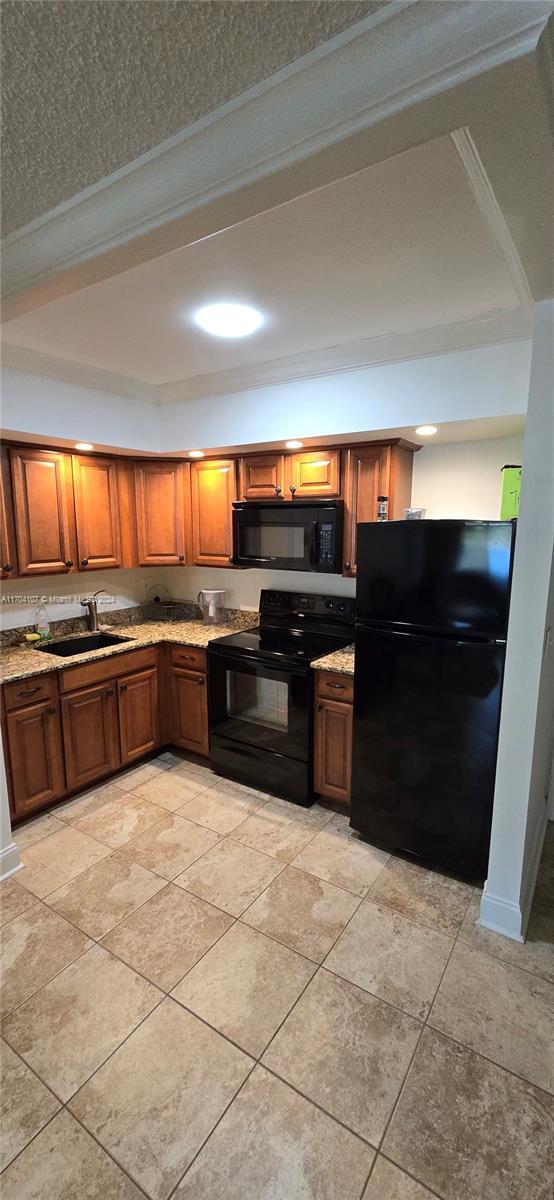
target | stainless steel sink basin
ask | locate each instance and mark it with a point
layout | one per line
(95, 641)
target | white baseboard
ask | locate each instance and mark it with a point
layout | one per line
(502, 916)
(10, 862)
(507, 916)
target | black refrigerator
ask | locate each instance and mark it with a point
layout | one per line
(432, 606)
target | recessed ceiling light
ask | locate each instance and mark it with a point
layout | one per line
(426, 430)
(294, 445)
(196, 453)
(229, 320)
(84, 446)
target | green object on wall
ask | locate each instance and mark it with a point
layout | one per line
(511, 488)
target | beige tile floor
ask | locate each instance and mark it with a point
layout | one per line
(210, 994)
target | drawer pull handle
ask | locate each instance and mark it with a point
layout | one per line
(123, 687)
(69, 562)
(339, 686)
(51, 712)
(189, 657)
(28, 691)
(110, 693)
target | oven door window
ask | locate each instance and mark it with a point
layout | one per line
(259, 706)
(259, 700)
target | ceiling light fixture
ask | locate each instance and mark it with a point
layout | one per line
(196, 453)
(228, 320)
(426, 430)
(294, 445)
(84, 446)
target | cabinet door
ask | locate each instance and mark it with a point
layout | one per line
(43, 511)
(137, 697)
(91, 744)
(333, 750)
(262, 476)
(8, 561)
(314, 473)
(190, 710)
(97, 512)
(160, 497)
(212, 495)
(36, 756)
(365, 479)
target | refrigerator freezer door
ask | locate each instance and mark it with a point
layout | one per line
(426, 714)
(450, 576)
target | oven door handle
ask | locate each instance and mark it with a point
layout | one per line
(314, 544)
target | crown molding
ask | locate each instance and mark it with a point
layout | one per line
(491, 212)
(340, 88)
(19, 358)
(388, 348)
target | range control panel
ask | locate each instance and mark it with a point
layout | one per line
(327, 608)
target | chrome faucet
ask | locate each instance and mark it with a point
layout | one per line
(92, 610)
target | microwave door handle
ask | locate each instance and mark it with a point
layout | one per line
(314, 545)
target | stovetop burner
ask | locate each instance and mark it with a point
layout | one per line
(294, 627)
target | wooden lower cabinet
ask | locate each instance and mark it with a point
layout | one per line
(137, 697)
(36, 757)
(190, 710)
(91, 743)
(333, 736)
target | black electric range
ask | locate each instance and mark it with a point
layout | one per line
(261, 691)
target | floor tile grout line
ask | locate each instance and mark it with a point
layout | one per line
(4, 1016)
(212, 1131)
(431, 1190)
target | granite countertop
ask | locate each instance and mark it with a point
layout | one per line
(341, 661)
(18, 662)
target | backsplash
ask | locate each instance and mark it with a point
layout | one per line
(184, 611)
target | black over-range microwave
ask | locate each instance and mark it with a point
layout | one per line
(288, 535)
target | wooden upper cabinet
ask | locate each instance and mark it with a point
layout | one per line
(369, 472)
(364, 478)
(262, 476)
(97, 512)
(8, 558)
(212, 495)
(313, 473)
(43, 511)
(160, 501)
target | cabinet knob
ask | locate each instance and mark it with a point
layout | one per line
(200, 682)
(7, 567)
(123, 687)
(69, 562)
(181, 558)
(51, 712)
(320, 708)
(292, 489)
(348, 566)
(110, 693)
(84, 562)
(277, 489)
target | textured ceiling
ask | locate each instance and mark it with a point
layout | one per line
(87, 85)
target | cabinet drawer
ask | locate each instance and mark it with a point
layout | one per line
(332, 685)
(190, 658)
(30, 691)
(107, 668)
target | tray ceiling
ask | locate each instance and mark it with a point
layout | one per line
(401, 246)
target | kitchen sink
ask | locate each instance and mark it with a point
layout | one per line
(95, 641)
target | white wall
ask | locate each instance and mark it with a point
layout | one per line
(35, 404)
(463, 479)
(465, 384)
(61, 597)
(527, 717)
